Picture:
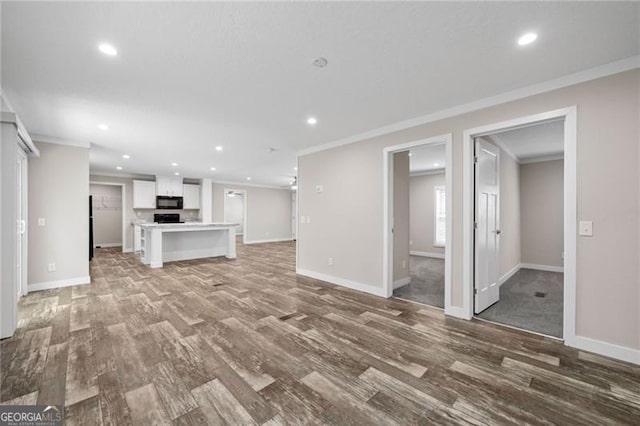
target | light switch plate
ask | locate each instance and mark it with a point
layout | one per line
(586, 228)
(41, 221)
(319, 189)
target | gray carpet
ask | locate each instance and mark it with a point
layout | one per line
(427, 281)
(520, 307)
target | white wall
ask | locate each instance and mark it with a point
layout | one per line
(107, 215)
(542, 206)
(400, 215)
(268, 211)
(59, 193)
(422, 212)
(347, 218)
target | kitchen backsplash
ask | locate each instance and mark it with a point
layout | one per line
(185, 215)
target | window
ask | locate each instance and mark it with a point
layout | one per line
(440, 217)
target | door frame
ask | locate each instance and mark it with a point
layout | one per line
(123, 189)
(23, 289)
(244, 210)
(387, 206)
(569, 115)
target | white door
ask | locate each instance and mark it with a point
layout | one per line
(487, 224)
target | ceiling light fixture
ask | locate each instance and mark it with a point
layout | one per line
(527, 38)
(174, 164)
(295, 168)
(436, 164)
(248, 177)
(126, 156)
(213, 169)
(312, 121)
(103, 127)
(218, 148)
(409, 154)
(177, 174)
(108, 49)
(119, 168)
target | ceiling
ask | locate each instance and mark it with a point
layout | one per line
(427, 158)
(533, 142)
(192, 76)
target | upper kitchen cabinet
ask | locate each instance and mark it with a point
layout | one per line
(169, 186)
(191, 196)
(144, 194)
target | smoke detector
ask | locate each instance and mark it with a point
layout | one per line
(320, 62)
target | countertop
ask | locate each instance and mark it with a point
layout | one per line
(187, 226)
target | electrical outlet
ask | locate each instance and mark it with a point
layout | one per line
(41, 221)
(330, 261)
(586, 228)
(410, 242)
(319, 189)
(51, 267)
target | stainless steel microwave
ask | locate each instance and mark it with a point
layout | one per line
(168, 203)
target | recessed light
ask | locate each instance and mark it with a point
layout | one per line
(312, 121)
(126, 156)
(320, 62)
(436, 164)
(108, 49)
(218, 148)
(103, 127)
(174, 164)
(409, 154)
(177, 174)
(213, 169)
(295, 168)
(294, 187)
(119, 168)
(527, 38)
(248, 177)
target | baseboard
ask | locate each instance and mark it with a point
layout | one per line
(456, 311)
(108, 245)
(509, 274)
(58, 283)
(127, 249)
(401, 282)
(537, 267)
(376, 291)
(275, 240)
(427, 254)
(611, 350)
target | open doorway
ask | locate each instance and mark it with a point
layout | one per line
(108, 215)
(521, 268)
(235, 209)
(418, 221)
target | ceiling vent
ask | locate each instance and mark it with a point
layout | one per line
(320, 62)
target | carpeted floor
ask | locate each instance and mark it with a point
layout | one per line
(427, 282)
(520, 307)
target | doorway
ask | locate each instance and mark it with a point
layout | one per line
(108, 217)
(235, 210)
(519, 230)
(417, 221)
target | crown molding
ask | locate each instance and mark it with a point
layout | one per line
(12, 117)
(57, 141)
(541, 158)
(616, 67)
(254, 185)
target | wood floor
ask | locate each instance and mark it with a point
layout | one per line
(248, 342)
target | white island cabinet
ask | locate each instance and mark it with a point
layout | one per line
(182, 241)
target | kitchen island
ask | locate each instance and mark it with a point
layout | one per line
(167, 242)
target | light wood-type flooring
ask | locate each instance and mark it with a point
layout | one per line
(246, 341)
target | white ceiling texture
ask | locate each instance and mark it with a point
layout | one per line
(192, 76)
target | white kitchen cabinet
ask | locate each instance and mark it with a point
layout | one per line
(137, 238)
(144, 194)
(169, 186)
(191, 197)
